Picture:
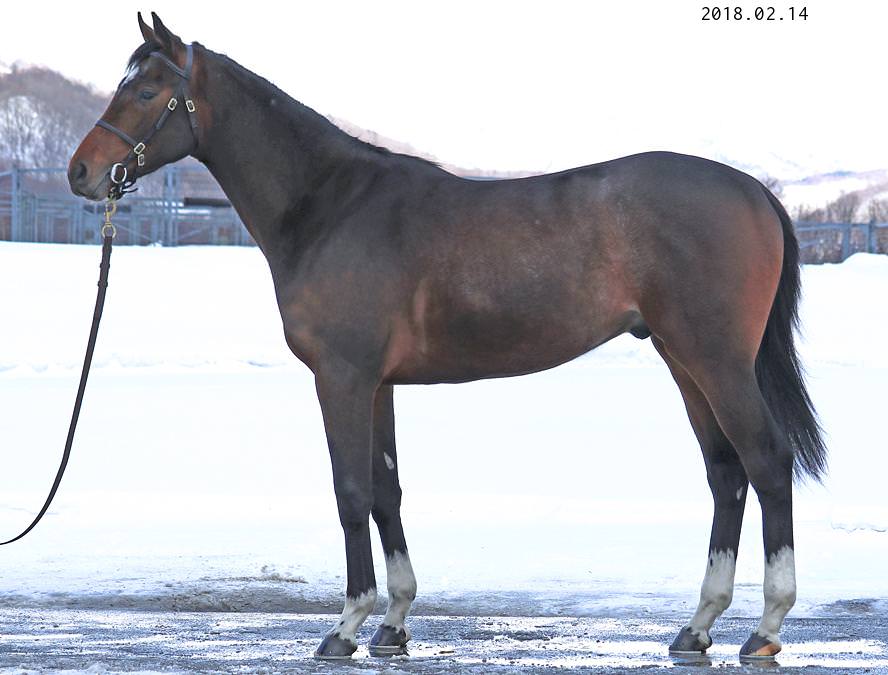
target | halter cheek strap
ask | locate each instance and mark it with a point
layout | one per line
(119, 173)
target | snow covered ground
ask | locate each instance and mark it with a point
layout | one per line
(200, 477)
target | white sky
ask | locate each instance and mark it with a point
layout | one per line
(533, 85)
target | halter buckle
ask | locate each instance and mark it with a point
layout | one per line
(140, 160)
(189, 105)
(173, 103)
(139, 148)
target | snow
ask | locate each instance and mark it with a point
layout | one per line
(200, 477)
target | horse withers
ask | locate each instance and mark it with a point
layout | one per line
(389, 270)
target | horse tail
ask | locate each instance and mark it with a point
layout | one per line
(778, 369)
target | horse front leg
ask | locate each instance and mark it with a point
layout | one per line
(392, 635)
(346, 398)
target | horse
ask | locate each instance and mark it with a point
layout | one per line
(389, 270)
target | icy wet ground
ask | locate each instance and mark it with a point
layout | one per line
(97, 642)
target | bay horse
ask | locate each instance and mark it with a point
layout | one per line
(389, 270)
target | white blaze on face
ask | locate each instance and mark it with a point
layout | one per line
(780, 592)
(353, 615)
(401, 589)
(715, 594)
(130, 74)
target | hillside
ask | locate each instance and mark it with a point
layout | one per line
(44, 115)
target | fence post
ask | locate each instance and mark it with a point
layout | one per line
(170, 196)
(16, 219)
(846, 242)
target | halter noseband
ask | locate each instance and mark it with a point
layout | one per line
(121, 182)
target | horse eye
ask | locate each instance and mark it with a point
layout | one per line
(147, 95)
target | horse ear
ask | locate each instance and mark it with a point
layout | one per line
(147, 33)
(169, 41)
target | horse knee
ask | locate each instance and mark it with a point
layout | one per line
(386, 507)
(354, 508)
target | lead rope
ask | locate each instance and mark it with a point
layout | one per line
(108, 232)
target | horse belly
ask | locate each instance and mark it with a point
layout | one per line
(458, 337)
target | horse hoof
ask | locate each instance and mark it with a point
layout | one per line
(334, 647)
(689, 642)
(389, 641)
(759, 648)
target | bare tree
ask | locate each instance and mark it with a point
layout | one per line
(844, 208)
(773, 184)
(877, 210)
(43, 115)
(807, 214)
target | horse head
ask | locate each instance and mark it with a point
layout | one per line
(151, 120)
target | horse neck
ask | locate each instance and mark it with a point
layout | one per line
(267, 151)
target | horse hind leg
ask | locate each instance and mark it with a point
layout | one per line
(730, 386)
(728, 484)
(392, 636)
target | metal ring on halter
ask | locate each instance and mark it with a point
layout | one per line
(113, 173)
(109, 229)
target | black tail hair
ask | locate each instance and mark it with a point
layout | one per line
(777, 367)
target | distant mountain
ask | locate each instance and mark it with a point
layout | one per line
(43, 115)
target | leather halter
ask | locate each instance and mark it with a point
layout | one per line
(122, 183)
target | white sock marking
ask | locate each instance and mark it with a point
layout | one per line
(716, 592)
(354, 613)
(780, 592)
(401, 589)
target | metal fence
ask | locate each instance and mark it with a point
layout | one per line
(183, 204)
(177, 205)
(834, 242)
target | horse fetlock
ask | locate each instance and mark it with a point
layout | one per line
(779, 591)
(402, 590)
(400, 579)
(356, 610)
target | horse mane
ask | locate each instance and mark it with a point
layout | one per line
(296, 109)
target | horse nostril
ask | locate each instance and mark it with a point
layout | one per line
(77, 173)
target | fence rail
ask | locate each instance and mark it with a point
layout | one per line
(181, 205)
(834, 242)
(178, 205)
